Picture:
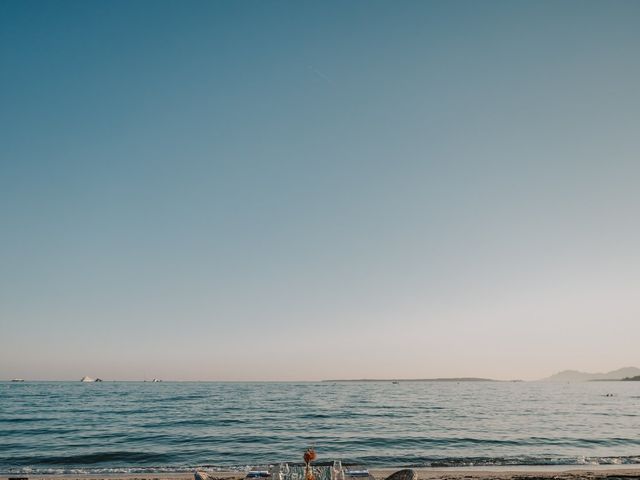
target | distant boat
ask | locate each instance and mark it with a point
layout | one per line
(395, 382)
(86, 379)
(17, 379)
(155, 380)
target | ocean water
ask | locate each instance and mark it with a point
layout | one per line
(73, 427)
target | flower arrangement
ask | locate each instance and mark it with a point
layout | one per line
(309, 456)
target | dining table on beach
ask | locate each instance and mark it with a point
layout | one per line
(320, 472)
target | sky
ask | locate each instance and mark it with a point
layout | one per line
(285, 190)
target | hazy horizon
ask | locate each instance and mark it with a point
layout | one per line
(146, 378)
(297, 190)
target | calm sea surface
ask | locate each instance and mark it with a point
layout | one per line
(142, 427)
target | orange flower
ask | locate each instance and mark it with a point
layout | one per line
(309, 455)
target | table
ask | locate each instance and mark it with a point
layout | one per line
(320, 472)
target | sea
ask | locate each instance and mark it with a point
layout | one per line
(144, 427)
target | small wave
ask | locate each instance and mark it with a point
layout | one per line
(98, 471)
(91, 458)
(26, 419)
(527, 461)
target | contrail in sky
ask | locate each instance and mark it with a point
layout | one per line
(321, 75)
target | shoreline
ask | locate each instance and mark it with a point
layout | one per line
(518, 472)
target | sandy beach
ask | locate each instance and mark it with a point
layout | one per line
(614, 472)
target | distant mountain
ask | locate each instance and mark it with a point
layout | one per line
(460, 379)
(576, 376)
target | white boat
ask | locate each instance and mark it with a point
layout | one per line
(17, 379)
(86, 379)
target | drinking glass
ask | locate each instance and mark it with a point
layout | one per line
(336, 471)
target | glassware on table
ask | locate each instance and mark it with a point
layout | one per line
(283, 471)
(336, 471)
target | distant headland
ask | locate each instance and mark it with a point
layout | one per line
(397, 380)
(626, 373)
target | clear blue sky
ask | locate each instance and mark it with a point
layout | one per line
(302, 190)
